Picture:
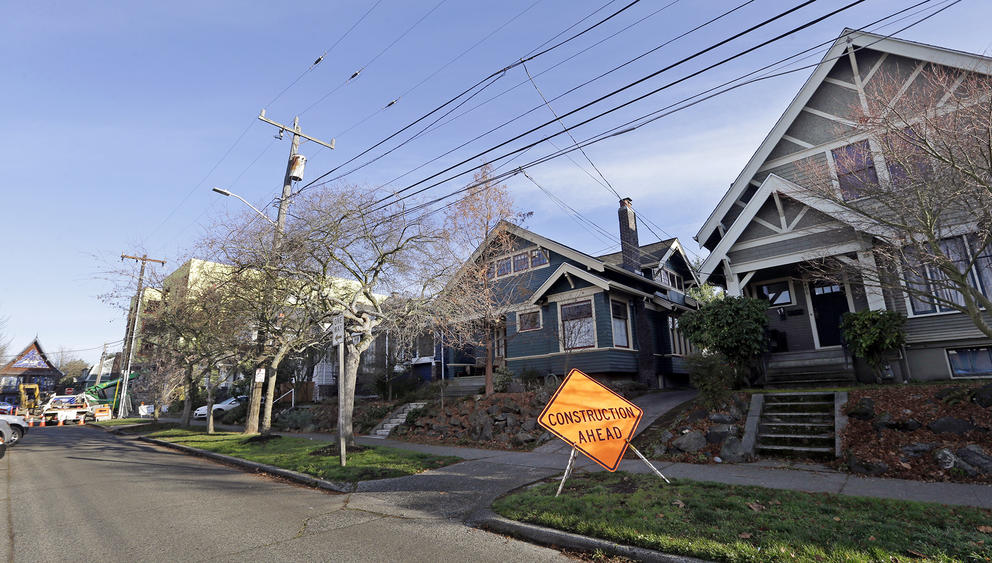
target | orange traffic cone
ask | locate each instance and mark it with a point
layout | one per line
(30, 423)
(42, 423)
(60, 422)
(81, 422)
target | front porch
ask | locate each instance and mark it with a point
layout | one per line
(810, 368)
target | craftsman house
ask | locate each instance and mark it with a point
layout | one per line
(767, 228)
(614, 315)
(30, 366)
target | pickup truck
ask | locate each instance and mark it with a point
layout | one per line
(61, 408)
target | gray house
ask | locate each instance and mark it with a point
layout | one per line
(767, 228)
(614, 315)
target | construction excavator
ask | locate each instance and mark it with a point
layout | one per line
(107, 393)
(30, 399)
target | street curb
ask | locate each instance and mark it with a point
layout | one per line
(256, 467)
(557, 538)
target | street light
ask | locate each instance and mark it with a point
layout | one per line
(227, 193)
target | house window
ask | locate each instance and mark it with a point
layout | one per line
(499, 342)
(929, 288)
(827, 289)
(490, 271)
(577, 329)
(621, 330)
(970, 362)
(671, 279)
(538, 258)
(777, 292)
(530, 320)
(855, 170)
(503, 266)
(520, 262)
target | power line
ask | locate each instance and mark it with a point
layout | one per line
(581, 219)
(358, 72)
(680, 105)
(631, 85)
(466, 112)
(492, 75)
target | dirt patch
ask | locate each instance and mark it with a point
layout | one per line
(877, 441)
(625, 486)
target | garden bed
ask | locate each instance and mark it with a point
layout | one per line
(934, 432)
(692, 433)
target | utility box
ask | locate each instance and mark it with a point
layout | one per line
(296, 164)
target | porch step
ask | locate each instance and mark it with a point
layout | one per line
(797, 425)
(465, 386)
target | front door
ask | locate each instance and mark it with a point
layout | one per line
(829, 303)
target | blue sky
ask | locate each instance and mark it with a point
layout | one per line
(117, 115)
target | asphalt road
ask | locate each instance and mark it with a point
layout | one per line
(78, 493)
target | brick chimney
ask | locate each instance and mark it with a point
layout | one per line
(629, 248)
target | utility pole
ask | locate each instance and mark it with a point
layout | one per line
(132, 326)
(294, 172)
(99, 374)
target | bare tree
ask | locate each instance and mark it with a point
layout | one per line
(917, 177)
(473, 306)
(374, 264)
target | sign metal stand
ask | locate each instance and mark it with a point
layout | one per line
(649, 464)
(568, 471)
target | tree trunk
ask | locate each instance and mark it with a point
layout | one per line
(254, 404)
(489, 367)
(188, 402)
(346, 402)
(270, 393)
(210, 408)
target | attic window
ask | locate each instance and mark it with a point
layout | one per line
(855, 170)
(520, 262)
(664, 276)
(503, 267)
(538, 258)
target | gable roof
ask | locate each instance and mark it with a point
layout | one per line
(32, 361)
(567, 270)
(858, 40)
(772, 184)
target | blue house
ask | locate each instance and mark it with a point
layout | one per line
(614, 315)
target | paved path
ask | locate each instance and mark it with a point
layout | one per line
(82, 493)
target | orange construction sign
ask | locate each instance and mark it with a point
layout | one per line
(592, 418)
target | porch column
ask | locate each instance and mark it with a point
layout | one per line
(733, 285)
(869, 277)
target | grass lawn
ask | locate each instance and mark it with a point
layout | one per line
(741, 523)
(301, 454)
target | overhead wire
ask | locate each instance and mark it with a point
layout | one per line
(535, 108)
(231, 148)
(685, 103)
(635, 83)
(361, 69)
(464, 92)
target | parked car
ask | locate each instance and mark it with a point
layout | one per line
(5, 432)
(18, 427)
(6, 408)
(222, 407)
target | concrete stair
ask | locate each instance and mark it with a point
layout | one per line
(394, 419)
(809, 368)
(799, 425)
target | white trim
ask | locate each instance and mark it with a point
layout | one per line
(812, 314)
(573, 294)
(781, 211)
(575, 351)
(764, 223)
(561, 324)
(630, 332)
(874, 69)
(928, 53)
(791, 234)
(540, 319)
(873, 291)
(830, 116)
(796, 257)
(950, 371)
(837, 82)
(567, 269)
(796, 141)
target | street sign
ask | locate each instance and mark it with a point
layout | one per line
(592, 418)
(337, 330)
(259, 375)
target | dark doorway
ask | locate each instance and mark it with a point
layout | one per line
(829, 303)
